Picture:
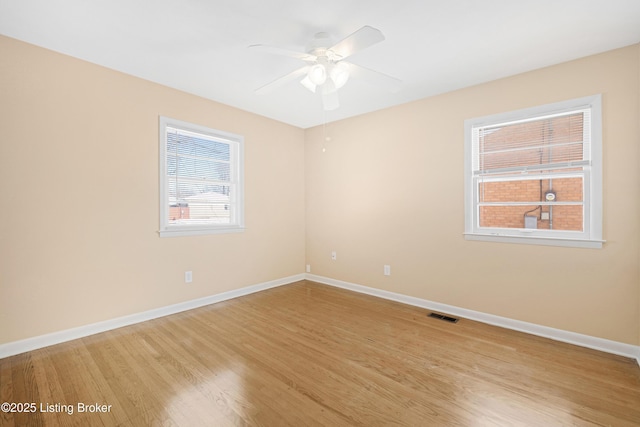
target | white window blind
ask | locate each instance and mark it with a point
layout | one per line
(201, 179)
(540, 144)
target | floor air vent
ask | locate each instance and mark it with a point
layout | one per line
(443, 317)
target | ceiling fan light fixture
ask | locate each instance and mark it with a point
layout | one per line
(329, 87)
(306, 82)
(339, 74)
(317, 74)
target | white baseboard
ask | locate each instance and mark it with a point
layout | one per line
(608, 346)
(29, 344)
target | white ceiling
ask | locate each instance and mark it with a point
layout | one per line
(200, 46)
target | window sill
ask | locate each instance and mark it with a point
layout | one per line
(536, 240)
(199, 232)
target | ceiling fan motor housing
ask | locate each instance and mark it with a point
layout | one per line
(319, 44)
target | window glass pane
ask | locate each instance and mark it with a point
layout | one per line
(555, 217)
(179, 190)
(567, 189)
(194, 203)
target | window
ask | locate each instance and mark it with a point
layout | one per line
(535, 175)
(201, 180)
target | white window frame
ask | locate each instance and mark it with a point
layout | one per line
(591, 236)
(236, 143)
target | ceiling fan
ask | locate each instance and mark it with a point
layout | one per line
(326, 70)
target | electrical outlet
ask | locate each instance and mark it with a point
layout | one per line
(387, 270)
(308, 268)
(334, 255)
(188, 276)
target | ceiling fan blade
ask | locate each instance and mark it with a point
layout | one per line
(361, 39)
(283, 52)
(330, 100)
(374, 77)
(281, 81)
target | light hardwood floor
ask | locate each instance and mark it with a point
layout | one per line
(309, 354)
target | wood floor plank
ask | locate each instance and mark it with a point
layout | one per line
(310, 354)
(6, 391)
(248, 372)
(25, 390)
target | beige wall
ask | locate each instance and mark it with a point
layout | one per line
(389, 190)
(79, 195)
